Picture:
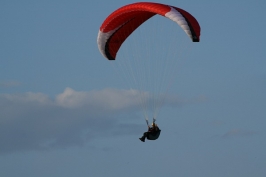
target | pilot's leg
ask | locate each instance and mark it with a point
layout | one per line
(144, 136)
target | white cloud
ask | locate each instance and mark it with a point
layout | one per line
(107, 99)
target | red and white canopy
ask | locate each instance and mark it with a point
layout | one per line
(123, 21)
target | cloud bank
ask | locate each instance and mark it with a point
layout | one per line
(34, 121)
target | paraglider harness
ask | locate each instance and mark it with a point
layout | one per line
(153, 131)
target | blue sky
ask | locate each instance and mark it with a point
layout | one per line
(57, 96)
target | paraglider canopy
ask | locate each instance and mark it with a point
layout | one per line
(122, 22)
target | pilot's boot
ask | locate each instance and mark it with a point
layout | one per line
(142, 139)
